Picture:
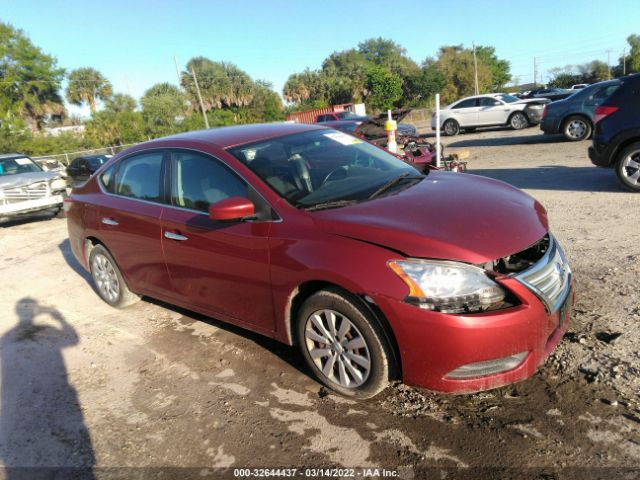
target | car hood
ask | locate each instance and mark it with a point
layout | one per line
(374, 127)
(452, 216)
(23, 179)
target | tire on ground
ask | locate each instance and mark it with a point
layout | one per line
(124, 297)
(629, 174)
(576, 128)
(382, 364)
(451, 128)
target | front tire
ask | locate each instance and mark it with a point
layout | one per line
(518, 121)
(108, 280)
(343, 345)
(576, 128)
(628, 167)
(451, 128)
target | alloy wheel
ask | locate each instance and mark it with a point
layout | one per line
(518, 121)
(337, 348)
(631, 168)
(105, 277)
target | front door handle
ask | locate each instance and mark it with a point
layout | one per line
(110, 222)
(175, 236)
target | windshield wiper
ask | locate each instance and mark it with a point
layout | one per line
(331, 204)
(393, 182)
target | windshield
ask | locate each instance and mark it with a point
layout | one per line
(15, 165)
(508, 98)
(312, 168)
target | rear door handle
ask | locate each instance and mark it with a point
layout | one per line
(175, 236)
(110, 221)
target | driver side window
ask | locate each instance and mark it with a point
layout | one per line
(199, 180)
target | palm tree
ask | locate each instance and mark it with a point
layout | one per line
(86, 86)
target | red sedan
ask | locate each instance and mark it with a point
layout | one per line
(321, 240)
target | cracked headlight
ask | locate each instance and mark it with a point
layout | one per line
(448, 287)
(58, 184)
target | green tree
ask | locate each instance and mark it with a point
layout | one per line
(30, 85)
(163, 107)
(499, 69)
(384, 87)
(457, 66)
(120, 102)
(86, 86)
(221, 84)
(424, 85)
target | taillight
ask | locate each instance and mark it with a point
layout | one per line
(603, 111)
(544, 112)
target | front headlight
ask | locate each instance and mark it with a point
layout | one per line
(58, 184)
(448, 287)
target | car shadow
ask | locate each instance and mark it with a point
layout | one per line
(287, 353)
(550, 177)
(42, 428)
(508, 140)
(67, 254)
(32, 218)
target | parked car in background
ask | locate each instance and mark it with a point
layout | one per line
(579, 86)
(81, 168)
(414, 150)
(492, 109)
(323, 241)
(51, 165)
(616, 138)
(551, 94)
(344, 115)
(25, 188)
(573, 116)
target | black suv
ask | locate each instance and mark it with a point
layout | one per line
(616, 141)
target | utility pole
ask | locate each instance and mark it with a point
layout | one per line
(624, 61)
(475, 68)
(535, 72)
(609, 62)
(204, 114)
(175, 61)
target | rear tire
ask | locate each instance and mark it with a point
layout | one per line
(518, 121)
(451, 128)
(107, 279)
(343, 345)
(576, 128)
(628, 167)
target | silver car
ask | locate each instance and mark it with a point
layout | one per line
(492, 109)
(26, 188)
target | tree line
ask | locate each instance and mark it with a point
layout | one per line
(378, 72)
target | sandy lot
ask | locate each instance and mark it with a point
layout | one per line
(158, 392)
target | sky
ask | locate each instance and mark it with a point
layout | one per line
(133, 43)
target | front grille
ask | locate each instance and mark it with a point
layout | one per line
(549, 278)
(35, 191)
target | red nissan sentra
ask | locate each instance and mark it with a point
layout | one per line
(376, 272)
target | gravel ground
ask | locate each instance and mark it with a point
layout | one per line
(157, 392)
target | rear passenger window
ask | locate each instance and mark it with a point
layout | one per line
(107, 178)
(139, 177)
(199, 180)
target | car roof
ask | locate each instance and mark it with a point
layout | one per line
(225, 137)
(91, 157)
(12, 155)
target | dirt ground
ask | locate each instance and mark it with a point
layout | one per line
(157, 392)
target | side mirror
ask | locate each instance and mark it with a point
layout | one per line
(232, 208)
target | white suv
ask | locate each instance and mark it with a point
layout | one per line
(489, 110)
